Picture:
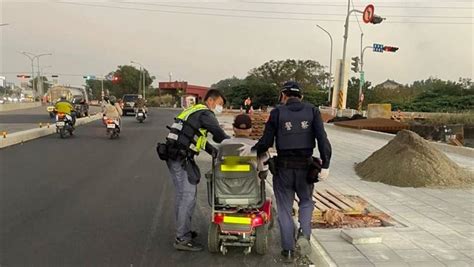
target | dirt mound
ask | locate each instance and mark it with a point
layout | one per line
(410, 161)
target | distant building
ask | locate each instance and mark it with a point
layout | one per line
(190, 94)
(389, 84)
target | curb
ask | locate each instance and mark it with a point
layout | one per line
(23, 136)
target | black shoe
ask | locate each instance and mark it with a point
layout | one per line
(187, 245)
(288, 256)
(303, 243)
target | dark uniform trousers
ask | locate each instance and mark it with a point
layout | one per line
(286, 183)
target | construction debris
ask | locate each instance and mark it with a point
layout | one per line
(410, 161)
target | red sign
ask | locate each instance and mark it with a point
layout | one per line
(368, 13)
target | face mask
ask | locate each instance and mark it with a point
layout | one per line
(218, 109)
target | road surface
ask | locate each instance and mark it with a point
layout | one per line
(91, 201)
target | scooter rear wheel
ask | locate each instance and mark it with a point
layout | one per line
(213, 241)
(261, 239)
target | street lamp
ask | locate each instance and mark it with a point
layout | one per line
(32, 57)
(4, 24)
(342, 80)
(330, 63)
(142, 77)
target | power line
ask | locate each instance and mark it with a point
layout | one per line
(285, 12)
(342, 5)
(252, 17)
(355, 14)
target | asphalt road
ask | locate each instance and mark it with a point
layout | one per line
(23, 119)
(92, 201)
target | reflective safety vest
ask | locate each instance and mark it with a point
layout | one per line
(184, 130)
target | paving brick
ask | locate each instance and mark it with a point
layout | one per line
(337, 246)
(400, 244)
(458, 263)
(448, 255)
(390, 264)
(361, 236)
(414, 255)
(361, 263)
(426, 264)
(347, 256)
(379, 252)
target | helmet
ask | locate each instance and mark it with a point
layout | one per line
(106, 98)
(140, 96)
(112, 100)
(63, 97)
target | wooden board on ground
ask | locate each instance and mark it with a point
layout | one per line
(343, 207)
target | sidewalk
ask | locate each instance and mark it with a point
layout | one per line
(436, 225)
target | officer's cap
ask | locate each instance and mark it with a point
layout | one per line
(291, 86)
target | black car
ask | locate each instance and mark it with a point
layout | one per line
(129, 103)
(81, 106)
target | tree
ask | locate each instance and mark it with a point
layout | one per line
(226, 85)
(308, 73)
(127, 82)
(353, 93)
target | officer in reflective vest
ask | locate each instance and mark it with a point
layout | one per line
(295, 126)
(188, 137)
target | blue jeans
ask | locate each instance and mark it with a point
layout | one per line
(286, 183)
(185, 199)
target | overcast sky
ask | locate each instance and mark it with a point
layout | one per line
(203, 49)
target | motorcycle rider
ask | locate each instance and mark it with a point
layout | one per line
(66, 107)
(112, 109)
(140, 104)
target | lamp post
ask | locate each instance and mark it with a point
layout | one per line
(32, 57)
(342, 81)
(330, 64)
(142, 77)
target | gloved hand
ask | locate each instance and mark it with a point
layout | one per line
(324, 174)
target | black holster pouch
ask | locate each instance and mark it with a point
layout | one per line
(171, 151)
(162, 151)
(314, 170)
(272, 165)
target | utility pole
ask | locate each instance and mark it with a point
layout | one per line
(369, 17)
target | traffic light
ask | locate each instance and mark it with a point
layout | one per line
(390, 48)
(376, 19)
(355, 64)
(23, 76)
(116, 79)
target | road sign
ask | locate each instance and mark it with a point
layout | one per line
(368, 13)
(362, 78)
(378, 48)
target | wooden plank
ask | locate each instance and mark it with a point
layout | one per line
(326, 203)
(343, 206)
(343, 199)
(319, 206)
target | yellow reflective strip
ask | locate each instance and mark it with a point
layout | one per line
(235, 168)
(239, 220)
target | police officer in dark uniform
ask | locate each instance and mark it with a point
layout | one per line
(295, 126)
(186, 139)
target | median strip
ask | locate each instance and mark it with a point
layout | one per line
(23, 136)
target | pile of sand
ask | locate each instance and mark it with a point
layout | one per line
(410, 161)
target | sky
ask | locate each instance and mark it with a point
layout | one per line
(205, 42)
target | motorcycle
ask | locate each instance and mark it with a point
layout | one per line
(140, 115)
(64, 124)
(113, 128)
